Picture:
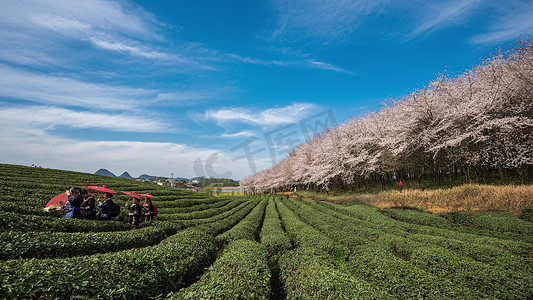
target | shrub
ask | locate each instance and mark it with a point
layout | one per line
(46, 245)
(241, 272)
(247, 228)
(272, 234)
(153, 270)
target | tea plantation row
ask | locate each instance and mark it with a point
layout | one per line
(203, 247)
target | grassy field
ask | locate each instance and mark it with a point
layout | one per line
(510, 198)
(261, 247)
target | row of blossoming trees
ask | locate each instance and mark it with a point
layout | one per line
(470, 125)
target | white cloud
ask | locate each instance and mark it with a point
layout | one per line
(28, 144)
(307, 63)
(270, 117)
(327, 66)
(239, 134)
(22, 85)
(437, 16)
(54, 116)
(78, 18)
(132, 49)
(45, 28)
(510, 25)
(316, 18)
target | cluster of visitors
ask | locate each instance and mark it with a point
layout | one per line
(82, 205)
(136, 212)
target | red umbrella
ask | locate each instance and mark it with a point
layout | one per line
(147, 195)
(131, 194)
(102, 189)
(58, 200)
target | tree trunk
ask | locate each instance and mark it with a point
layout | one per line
(500, 170)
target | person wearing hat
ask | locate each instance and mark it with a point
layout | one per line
(72, 207)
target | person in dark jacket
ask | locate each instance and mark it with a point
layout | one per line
(149, 210)
(88, 207)
(72, 207)
(104, 213)
(134, 214)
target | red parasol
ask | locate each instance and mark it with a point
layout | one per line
(58, 200)
(147, 195)
(102, 189)
(132, 194)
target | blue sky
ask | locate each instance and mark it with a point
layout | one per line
(185, 87)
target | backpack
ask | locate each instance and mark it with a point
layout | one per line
(114, 210)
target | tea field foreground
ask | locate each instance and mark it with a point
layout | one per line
(261, 247)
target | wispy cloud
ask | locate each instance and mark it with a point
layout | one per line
(137, 50)
(326, 66)
(270, 117)
(512, 24)
(55, 116)
(28, 143)
(442, 14)
(80, 18)
(22, 85)
(239, 134)
(48, 27)
(306, 63)
(324, 19)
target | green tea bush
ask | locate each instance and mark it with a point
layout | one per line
(419, 217)
(202, 214)
(273, 236)
(223, 222)
(193, 208)
(241, 272)
(526, 213)
(248, 228)
(18, 222)
(135, 273)
(494, 221)
(47, 245)
(451, 267)
(307, 274)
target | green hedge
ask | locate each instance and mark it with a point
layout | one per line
(227, 220)
(308, 274)
(494, 221)
(241, 272)
(454, 274)
(47, 245)
(370, 217)
(202, 214)
(247, 228)
(130, 274)
(192, 208)
(272, 234)
(18, 222)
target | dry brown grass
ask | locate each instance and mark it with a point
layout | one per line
(464, 197)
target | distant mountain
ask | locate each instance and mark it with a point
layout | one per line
(105, 172)
(181, 178)
(125, 175)
(147, 177)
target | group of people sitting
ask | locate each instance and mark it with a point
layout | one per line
(82, 205)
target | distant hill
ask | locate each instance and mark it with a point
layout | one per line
(147, 177)
(125, 175)
(105, 172)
